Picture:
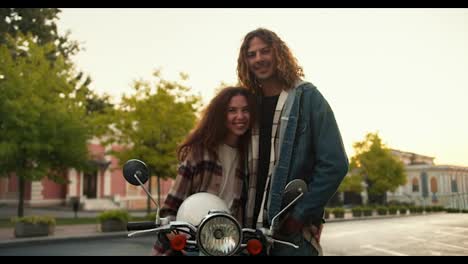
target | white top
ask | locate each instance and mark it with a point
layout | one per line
(229, 158)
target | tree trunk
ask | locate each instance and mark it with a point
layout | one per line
(21, 186)
(369, 198)
(159, 191)
(148, 199)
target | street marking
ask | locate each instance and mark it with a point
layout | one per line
(451, 234)
(437, 243)
(346, 233)
(458, 227)
(391, 252)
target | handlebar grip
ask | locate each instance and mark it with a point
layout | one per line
(133, 226)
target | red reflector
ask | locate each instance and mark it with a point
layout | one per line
(178, 242)
(254, 247)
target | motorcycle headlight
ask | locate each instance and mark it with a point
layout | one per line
(219, 234)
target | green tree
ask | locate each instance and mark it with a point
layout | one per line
(351, 183)
(42, 132)
(374, 163)
(41, 24)
(98, 108)
(152, 122)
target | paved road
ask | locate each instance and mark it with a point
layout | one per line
(135, 246)
(425, 235)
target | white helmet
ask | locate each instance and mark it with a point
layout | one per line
(197, 206)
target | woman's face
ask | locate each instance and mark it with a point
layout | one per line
(238, 116)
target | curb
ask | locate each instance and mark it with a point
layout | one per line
(376, 217)
(51, 239)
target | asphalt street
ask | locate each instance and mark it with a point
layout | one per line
(440, 234)
(424, 235)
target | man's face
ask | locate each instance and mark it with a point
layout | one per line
(260, 59)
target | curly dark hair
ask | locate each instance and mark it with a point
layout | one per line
(287, 67)
(211, 130)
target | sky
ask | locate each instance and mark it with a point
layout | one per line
(400, 72)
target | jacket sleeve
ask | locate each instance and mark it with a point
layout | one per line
(329, 158)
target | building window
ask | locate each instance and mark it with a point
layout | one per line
(424, 185)
(415, 184)
(454, 185)
(434, 187)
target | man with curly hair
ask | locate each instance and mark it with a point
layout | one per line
(296, 137)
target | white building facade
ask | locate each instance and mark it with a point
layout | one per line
(429, 184)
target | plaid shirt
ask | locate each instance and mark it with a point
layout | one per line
(193, 176)
(253, 160)
(205, 175)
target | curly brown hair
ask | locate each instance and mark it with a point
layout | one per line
(287, 68)
(211, 130)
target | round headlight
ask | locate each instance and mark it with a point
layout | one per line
(219, 234)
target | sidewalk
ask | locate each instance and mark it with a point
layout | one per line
(61, 233)
(7, 212)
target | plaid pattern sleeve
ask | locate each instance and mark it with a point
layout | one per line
(203, 175)
(179, 190)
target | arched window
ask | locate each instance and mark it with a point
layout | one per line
(415, 184)
(433, 185)
(454, 184)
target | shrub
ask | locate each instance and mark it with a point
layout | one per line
(392, 210)
(35, 219)
(31, 226)
(357, 211)
(338, 212)
(367, 211)
(403, 210)
(452, 210)
(121, 215)
(151, 216)
(415, 209)
(382, 210)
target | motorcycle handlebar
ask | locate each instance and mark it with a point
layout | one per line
(133, 226)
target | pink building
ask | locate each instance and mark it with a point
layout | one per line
(104, 188)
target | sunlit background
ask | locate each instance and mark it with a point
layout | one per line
(401, 72)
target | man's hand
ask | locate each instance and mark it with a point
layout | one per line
(290, 225)
(317, 232)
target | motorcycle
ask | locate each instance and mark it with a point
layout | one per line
(204, 226)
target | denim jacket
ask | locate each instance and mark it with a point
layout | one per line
(311, 149)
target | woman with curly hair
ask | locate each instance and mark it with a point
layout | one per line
(212, 157)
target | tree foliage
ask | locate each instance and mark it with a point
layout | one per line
(42, 132)
(153, 121)
(351, 183)
(374, 163)
(47, 110)
(41, 27)
(41, 24)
